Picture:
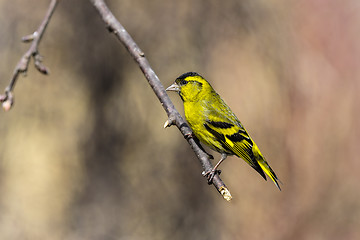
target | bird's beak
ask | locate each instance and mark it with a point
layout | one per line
(174, 87)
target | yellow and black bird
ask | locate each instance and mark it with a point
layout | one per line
(214, 124)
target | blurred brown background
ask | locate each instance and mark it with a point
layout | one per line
(83, 154)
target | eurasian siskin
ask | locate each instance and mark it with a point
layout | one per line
(214, 124)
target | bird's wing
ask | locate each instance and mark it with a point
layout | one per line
(228, 130)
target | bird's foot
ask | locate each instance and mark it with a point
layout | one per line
(210, 175)
(187, 136)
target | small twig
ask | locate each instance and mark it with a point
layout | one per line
(7, 98)
(174, 117)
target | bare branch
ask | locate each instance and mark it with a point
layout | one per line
(174, 116)
(7, 98)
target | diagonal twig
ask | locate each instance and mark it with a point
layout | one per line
(7, 98)
(174, 117)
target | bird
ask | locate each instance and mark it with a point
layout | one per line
(215, 124)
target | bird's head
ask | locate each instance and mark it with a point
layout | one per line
(191, 87)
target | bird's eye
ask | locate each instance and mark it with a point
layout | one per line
(183, 82)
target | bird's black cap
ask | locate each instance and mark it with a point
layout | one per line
(189, 74)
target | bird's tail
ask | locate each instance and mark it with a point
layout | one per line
(266, 168)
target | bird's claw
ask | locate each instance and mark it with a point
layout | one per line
(187, 136)
(211, 174)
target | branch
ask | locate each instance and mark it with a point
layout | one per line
(7, 99)
(174, 116)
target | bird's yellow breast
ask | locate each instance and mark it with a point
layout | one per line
(196, 115)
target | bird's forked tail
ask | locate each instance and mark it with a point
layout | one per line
(266, 168)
